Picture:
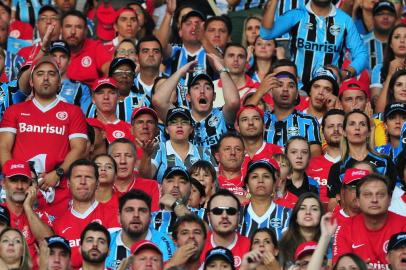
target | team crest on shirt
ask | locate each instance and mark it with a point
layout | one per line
(62, 115)
(214, 121)
(276, 223)
(117, 134)
(86, 61)
(335, 29)
(385, 246)
(237, 261)
(309, 26)
(15, 33)
(293, 131)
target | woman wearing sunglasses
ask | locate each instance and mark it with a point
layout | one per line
(262, 212)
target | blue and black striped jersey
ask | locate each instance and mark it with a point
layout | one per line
(164, 220)
(27, 10)
(75, 92)
(9, 95)
(375, 49)
(12, 65)
(276, 218)
(318, 41)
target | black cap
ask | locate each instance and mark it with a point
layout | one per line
(219, 253)
(397, 240)
(176, 170)
(48, 7)
(270, 164)
(200, 76)
(5, 215)
(193, 13)
(324, 74)
(396, 107)
(199, 186)
(59, 241)
(178, 111)
(118, 62)
(59, 45)
(383, 5)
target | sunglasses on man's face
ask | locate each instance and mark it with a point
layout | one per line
(231, 211)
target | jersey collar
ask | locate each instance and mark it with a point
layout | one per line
(332, 13)
(47, 107)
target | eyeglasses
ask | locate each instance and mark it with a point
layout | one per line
(179, 122)
(124, 73)
(126, 52)
(231, 211)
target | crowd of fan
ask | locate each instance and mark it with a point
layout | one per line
(169, 135)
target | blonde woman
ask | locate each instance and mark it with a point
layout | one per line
(14, 252)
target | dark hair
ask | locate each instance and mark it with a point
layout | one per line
(390, 97)
(126, 40)
(149, 23)
(83, 162)
(205, 166)
(175, 27)
(292, 237)
(267, 230)
(296, 138)
(124, 141)
(235, 44)
(147, 39)
(389, 55)
(357, 260)
(400, 165)
(330, 113)
(282, 63)
(254, 66)
(76, 13)
(96, 227)
(360, 112)
(229, 134)
(372, 178)
(134, 194)
(189, 218)
(90, 133)
(108, 156)
(226, 193)
(223, 18)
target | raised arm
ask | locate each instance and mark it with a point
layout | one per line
(164, 31)
(269, 14)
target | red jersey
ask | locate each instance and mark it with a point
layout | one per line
(264, 152)
(21, 30)
(71, 224)
(319, 168)
(30, 52)
(20, 222)
(235, 185)
(149, 186)
(340, 215)
(370, 245)
(112, 204)
(60, 202)
(42, 134)
(289, 200)
(117, 130)
(85, 65)
(239, 247)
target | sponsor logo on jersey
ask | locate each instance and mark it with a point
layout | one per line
(354, 246)
(118, 134)
(61, 115)
(309, 26)
(49, 129)
(214, 121)
(237, 261)
(25, 114)
(293, 131)
(314, 46)
(335, 30)
(276, 223)
(74, 243)
(86, 61)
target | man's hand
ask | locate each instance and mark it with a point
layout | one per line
(147, 147)
(46, 40)
(331, 101)
(167, 200)
(170, 7)
(47, 180)
(215, 62)
(183, 254)
(268, 83)
(328, 225)
(43, 255)
(187, 68)
(251, 260)
(31, 196)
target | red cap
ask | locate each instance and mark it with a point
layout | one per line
(118, 130)
(142, 244)
(143, 109)
(122, 10)
(45, 59)
(106, 16)
(355, 85)
(104, 81)
(353, 174)
(14, 167)
(304, 249)
(250, 107)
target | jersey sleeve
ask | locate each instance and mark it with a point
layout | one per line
(357, 47)
(283, 24)
(103, 55)
(9, 121)
(77, 125)
(342, 241)
(333, 181)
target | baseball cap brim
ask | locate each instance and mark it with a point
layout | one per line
(201, 76)
(176, 171)
(143, 110)
(118, 62)
(177, 114)
(145, 244)
(193, 13)
(391, 111)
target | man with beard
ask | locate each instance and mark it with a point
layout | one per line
(319, 167)
(21, 194)
(175, 192)
(223, 214)
(189, 234)
(135, 217)
(94, 248)
(317, 42)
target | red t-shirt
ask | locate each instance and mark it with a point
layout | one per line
(235, 185)
(60, 202)
(20, 222)
(264, 152)
(239, 247)
(71, 224)
(149, 186)
(42, 134)
(30, 52)
(112, 204)
(21, 30)
(85, 65)
(354, 237)
(289, 200)
(319, 168)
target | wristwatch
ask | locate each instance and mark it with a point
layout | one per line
(224, 69)
(176, 203)
(59, 172)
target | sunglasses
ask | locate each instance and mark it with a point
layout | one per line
(231, 211)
